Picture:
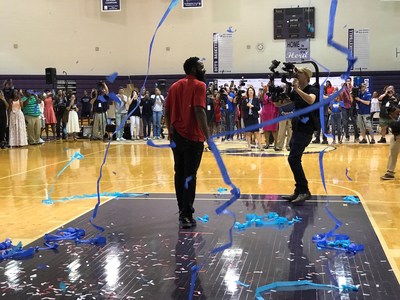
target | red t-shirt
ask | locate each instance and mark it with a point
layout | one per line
(182, 97)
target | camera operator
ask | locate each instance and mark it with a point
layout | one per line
(363, 103)
(393, 111)
(384, 118)
(303, 95)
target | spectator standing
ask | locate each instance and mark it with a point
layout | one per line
(17, 126)
(147, 114)
(32, 116)
(387, 98)
(158, 108)
(3, 119)
(100, 106)
(120, 112)
(73, 119)
(269, 111)
(250, 109)
(135, 116)
(86, 111)
(348, 111)
(49, 115)
(230, 112)
(60, 104)
(364, 113)
(336, 108)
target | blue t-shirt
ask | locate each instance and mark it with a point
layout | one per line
(336, 106)
(364, 109)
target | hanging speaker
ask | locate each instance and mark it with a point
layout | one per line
(51, 74)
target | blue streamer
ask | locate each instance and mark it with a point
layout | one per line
(88, 196)
(115, 98)
(321, 168)
(301, 285)
(347, 174)
(152, 144)
(95, 210)
(111, 78)
(9, 251)
(6, 244)
(77, 156)
(271, 219)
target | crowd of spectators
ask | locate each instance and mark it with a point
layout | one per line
(25, 115)
(353, 117)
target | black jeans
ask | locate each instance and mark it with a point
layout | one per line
(300, 140)
(61, 127)
(147, 120)
(187, 157)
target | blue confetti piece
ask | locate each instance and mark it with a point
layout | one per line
(111, 78)
(351, 200)
(242, 284)
(203, 219)
(77, 156)
(63, 287)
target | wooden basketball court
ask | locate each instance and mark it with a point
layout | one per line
(27, 175)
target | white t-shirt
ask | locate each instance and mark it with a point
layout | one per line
(158, 103)
(375, 105)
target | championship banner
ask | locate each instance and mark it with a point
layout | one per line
(110, 5)
(192, 3)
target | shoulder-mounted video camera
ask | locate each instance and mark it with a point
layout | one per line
(278, 93)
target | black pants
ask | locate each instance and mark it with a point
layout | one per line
(187, 157)
(61, 127)
(299, 142)
(147, 120)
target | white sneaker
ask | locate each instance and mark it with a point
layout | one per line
(122, 139)
(41, 141)
(118, 139)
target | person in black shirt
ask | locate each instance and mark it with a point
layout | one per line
(387, 98)
(147, 114)
(303, 126)
(86, 107)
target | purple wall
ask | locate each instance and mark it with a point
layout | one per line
(38, 82)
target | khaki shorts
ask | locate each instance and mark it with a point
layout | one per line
(364, 122)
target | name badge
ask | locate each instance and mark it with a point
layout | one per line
(99, 105)
(227, 106)
(208, 107)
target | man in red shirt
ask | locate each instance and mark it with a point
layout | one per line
(185, 115)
